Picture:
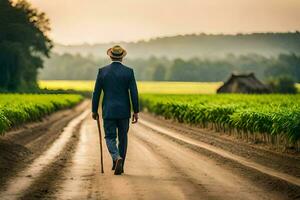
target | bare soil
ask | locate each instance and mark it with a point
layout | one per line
(21, 146)
(282, 161)
(48, 182)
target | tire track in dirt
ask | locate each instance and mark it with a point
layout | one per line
(228, 155)
(26, 178)
(266, 155)
(183, 187)
(83, 167)
(46, 185)
(20, 147)
(219, 183)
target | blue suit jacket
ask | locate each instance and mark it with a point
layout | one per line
(117, 83)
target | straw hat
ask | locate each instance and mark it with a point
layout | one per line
(116, 52)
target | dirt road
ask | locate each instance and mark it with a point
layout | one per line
(165, 161)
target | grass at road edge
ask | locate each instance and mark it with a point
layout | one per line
(17, 109)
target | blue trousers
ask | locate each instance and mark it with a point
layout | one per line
(116, 128)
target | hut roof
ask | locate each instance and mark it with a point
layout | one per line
(249, 81)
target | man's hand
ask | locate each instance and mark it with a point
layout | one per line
(135, 118)
(95, 116)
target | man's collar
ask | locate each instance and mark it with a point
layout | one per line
(116, 61)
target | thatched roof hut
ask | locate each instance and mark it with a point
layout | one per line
(246, 83)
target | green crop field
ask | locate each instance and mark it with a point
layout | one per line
(143, 86)
(269, 118)
(16, 109)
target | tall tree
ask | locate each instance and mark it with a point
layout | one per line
(23, 44)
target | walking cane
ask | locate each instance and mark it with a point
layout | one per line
(100, 139)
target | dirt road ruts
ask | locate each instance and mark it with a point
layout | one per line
(159, 166)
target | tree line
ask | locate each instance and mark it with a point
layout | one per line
(198, 45)
(77, 67)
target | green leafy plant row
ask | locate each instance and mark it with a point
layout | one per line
(270, 118)
(16, 109)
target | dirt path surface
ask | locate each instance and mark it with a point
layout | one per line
(20, 147)
(162, 163)
(227, 155)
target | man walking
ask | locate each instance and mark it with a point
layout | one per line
(118, 84)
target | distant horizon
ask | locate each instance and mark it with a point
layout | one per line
(174, 35)
(100, 21)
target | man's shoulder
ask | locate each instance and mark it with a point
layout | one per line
(103, 68)
(127, 68)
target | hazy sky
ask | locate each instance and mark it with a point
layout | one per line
(78, 21)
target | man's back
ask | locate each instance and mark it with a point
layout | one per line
(117, 82)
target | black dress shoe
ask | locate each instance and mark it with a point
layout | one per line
(119, 166)
(114, 165)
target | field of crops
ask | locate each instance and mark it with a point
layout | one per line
(16, 109)
(272, 119)
(144, 87)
